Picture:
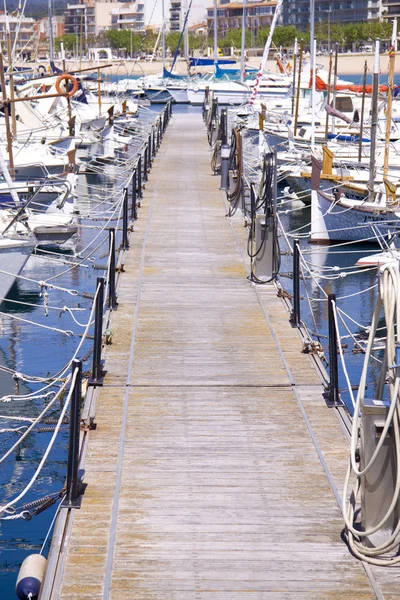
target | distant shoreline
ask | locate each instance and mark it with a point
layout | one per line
(348, 64)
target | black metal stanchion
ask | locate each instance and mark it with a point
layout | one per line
(97, 367)
(150, 152)
(125, 240)
(139, 176)
(295, 315)
(112, 296)
(134, 207)
(73, 494)
(332, 394)
(153, 140)
(145, 164)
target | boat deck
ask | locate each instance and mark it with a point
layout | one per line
(215, 467)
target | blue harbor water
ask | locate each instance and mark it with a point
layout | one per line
(35, 351)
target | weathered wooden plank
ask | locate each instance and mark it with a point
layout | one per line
(222, 492)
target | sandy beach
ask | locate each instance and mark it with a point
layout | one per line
(348, 64)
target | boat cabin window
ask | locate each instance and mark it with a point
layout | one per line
(302, 132)
(344, 104)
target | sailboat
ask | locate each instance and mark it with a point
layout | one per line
(336, 217)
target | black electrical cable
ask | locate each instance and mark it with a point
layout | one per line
(265, 200)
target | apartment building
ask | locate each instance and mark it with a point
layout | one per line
(88, 17)
(129, 16)
(297, 12)
(27, 36)
(390, 9)
(230, 15)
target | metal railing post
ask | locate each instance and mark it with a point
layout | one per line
(73, 494)
(134, 207)
(139, 175)
(145, 163)
(97, 367)
(150, 151)
(295, 315)
(112, 296)
(153, 141)
(332, 395)
(125, 240)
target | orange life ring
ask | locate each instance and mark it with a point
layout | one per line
(67, 77)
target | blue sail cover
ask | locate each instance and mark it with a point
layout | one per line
(232, 74)
(168, 75)
(209, 62)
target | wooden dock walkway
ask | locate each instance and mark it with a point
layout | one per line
(215, 465)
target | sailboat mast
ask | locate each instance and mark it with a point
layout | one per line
(50, 13)
(163, 33)
(295, 53)
(313, 67)
(374, 122)
(392, 59)
(312, 34)
(215, 32)
(243, 42)
(186, 31)
(362, 112)
(7, 115)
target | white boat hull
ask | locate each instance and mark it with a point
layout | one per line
(334, 222)
(13, 256)
(179, 95)
(233, 96)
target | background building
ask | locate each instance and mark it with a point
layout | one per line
(129, 16)
(27, 37)
(230, 14)
(88, 18)
(390, 9)
(297, 12)
(152, 12)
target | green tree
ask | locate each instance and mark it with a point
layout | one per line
(234, 38)
(285, 36)
(123, 38)
(172, 39)
(68, 39)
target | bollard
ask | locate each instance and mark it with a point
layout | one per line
(112, 296)
(73, 494)
(154, 143)
(139, 176)
(332, 394)
(295, 315)
(134, 207)
(125, 240)
(97, 367)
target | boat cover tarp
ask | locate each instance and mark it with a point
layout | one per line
(321, 86)
(209, 62)
(232, 74)
(169, 75)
